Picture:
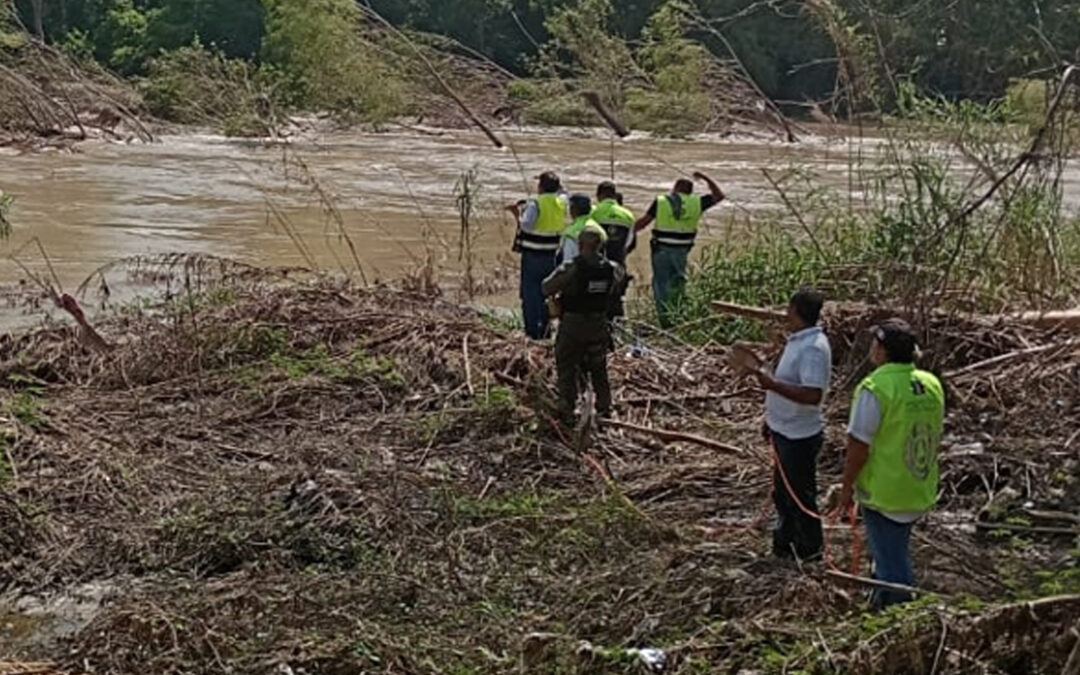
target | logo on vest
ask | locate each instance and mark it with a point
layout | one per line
(921, 451)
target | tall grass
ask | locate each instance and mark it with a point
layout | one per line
(916, 230)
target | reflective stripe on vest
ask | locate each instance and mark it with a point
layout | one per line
(530, 241)
(609, 213)
(901, 474)
(679, 231)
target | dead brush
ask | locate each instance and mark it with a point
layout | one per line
(388, 456)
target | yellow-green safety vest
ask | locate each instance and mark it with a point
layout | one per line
(609, 213)
(677, 231)
(550, 224)
(901, 474)
(579, 225)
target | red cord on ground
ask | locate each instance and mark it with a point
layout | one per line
(853, 519)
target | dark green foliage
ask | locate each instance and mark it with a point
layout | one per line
(966, 49)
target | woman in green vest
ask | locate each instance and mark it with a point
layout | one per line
(897, 420)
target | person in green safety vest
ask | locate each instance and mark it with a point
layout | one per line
(897, 421)
(541, 222)
(617, 220)
(677, 215)
(580, 216)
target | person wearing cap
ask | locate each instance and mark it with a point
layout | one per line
(677, 215)
(541, 222)
(580, 216)
(617, 220)
(795, 426)
(894, 434)
(586, 285)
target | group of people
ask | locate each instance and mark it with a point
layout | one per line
(551, 223)
(576, 251)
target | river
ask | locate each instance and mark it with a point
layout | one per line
(395, 192)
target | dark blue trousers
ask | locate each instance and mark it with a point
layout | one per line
(890, 545)
(535, 267)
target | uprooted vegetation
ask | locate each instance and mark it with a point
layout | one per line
(327, 479)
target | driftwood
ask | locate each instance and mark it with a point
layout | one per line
(593, 99)
(874, 583)
(1068, 319)
(746, 312)
(1008, 358)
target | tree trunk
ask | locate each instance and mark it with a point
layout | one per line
(39, 24)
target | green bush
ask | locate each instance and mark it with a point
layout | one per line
(195, 85)
(319, 61)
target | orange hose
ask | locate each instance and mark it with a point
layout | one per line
(853, 519)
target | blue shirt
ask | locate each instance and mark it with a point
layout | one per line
(806, 362)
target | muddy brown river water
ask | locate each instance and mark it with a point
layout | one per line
(395, 192)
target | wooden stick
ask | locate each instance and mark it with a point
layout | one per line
(593, 99)
(1011, 527)
(866, 581)
(468, 366)
(746, 312)
(676, 436)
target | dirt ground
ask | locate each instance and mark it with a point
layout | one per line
(316, 478)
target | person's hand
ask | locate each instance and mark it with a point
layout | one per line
(764, 379)
(842, 503)
(700, 176)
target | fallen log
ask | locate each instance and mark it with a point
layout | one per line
(676, 436)
(1067, 319)
(593, 99)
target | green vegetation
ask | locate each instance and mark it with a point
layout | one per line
(25, 406)
(6, 202)
(912, 232)
(671, 66)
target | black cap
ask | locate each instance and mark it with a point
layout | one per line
(898, 338)
(580, 204)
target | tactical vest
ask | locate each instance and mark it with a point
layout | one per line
(593, 282)
(549, 224)
(902, 472)
(678, 230)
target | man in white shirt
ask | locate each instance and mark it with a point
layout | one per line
(795, 425)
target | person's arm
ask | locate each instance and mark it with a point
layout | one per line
(714, 190)
(570, 249)
(559, 280)
(864, 425)
(646, 219)
(815, 370)
(858, 454)
(793, 392)
(528, 219)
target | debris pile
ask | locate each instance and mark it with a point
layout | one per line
(293, 477)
